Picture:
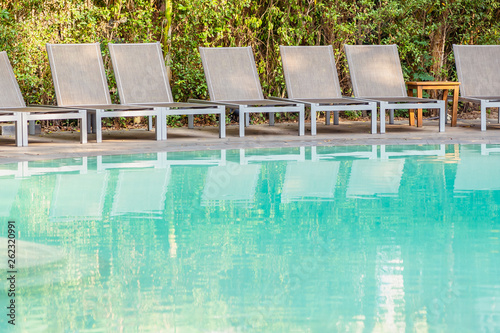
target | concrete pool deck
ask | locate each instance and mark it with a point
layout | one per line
(66, 144)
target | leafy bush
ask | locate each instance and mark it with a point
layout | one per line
(424, 31)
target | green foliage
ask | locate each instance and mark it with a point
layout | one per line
(424, 31)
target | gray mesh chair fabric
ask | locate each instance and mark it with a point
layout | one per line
(78, 74)
(14, 109)
(10, 94)
(142, 79)
(376, 75)
(140, 73)
(80, 81)
(311, 78)
(478, 70)
(376, 71)
(310, 72)
(231, 73)
(233, 81)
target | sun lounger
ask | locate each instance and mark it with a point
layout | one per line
(376, 75)
(142, 79)
(311, 78)
(478, 71)
(80, 82)
(14, 109)
(233, 81)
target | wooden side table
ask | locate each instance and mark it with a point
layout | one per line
(436, 85)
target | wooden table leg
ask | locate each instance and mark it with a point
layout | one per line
(411, 111)
(419, 111)
(455, 107)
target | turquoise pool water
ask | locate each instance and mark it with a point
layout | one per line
(315, 239)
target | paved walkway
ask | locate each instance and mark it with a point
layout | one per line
(66, 144)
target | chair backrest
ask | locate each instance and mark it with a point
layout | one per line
(478, 69)
(375, 71)
(231, 73)
(10, 94)
(78, 74)
(310, 72)
(140, 72)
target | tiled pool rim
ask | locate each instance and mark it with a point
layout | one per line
(116, 142)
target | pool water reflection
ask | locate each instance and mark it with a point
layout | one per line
(310, 239)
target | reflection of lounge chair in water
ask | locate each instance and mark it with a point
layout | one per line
(79, 197)
(487, 150)
(230, 183)
(380, 177)
(246, 157)
(140, 191)
(157, 160)
(29, 254)
(336, 152)
(412, 152)
(477, 172)
(310, 181)
(8, 193)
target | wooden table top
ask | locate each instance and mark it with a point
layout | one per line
(433, 83)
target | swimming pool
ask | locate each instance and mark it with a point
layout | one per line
(309, 239)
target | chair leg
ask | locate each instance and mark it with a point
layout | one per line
(336, 117)
(83, 128)
(94, 123)
(190, 121)
(442, 116)
(150, 123)
(19, 133)
(301, 119)
(391, 116)
(222, 122)
(271, 118)
(242, 121)
(313, 119)
(246, 116)
(382, 117)
(98, 126)
(24, 131)
(483, 117)
(164, 127)
(159, 124)
(31, 126)
(374, 119)
(89, 123)
(327, 118)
